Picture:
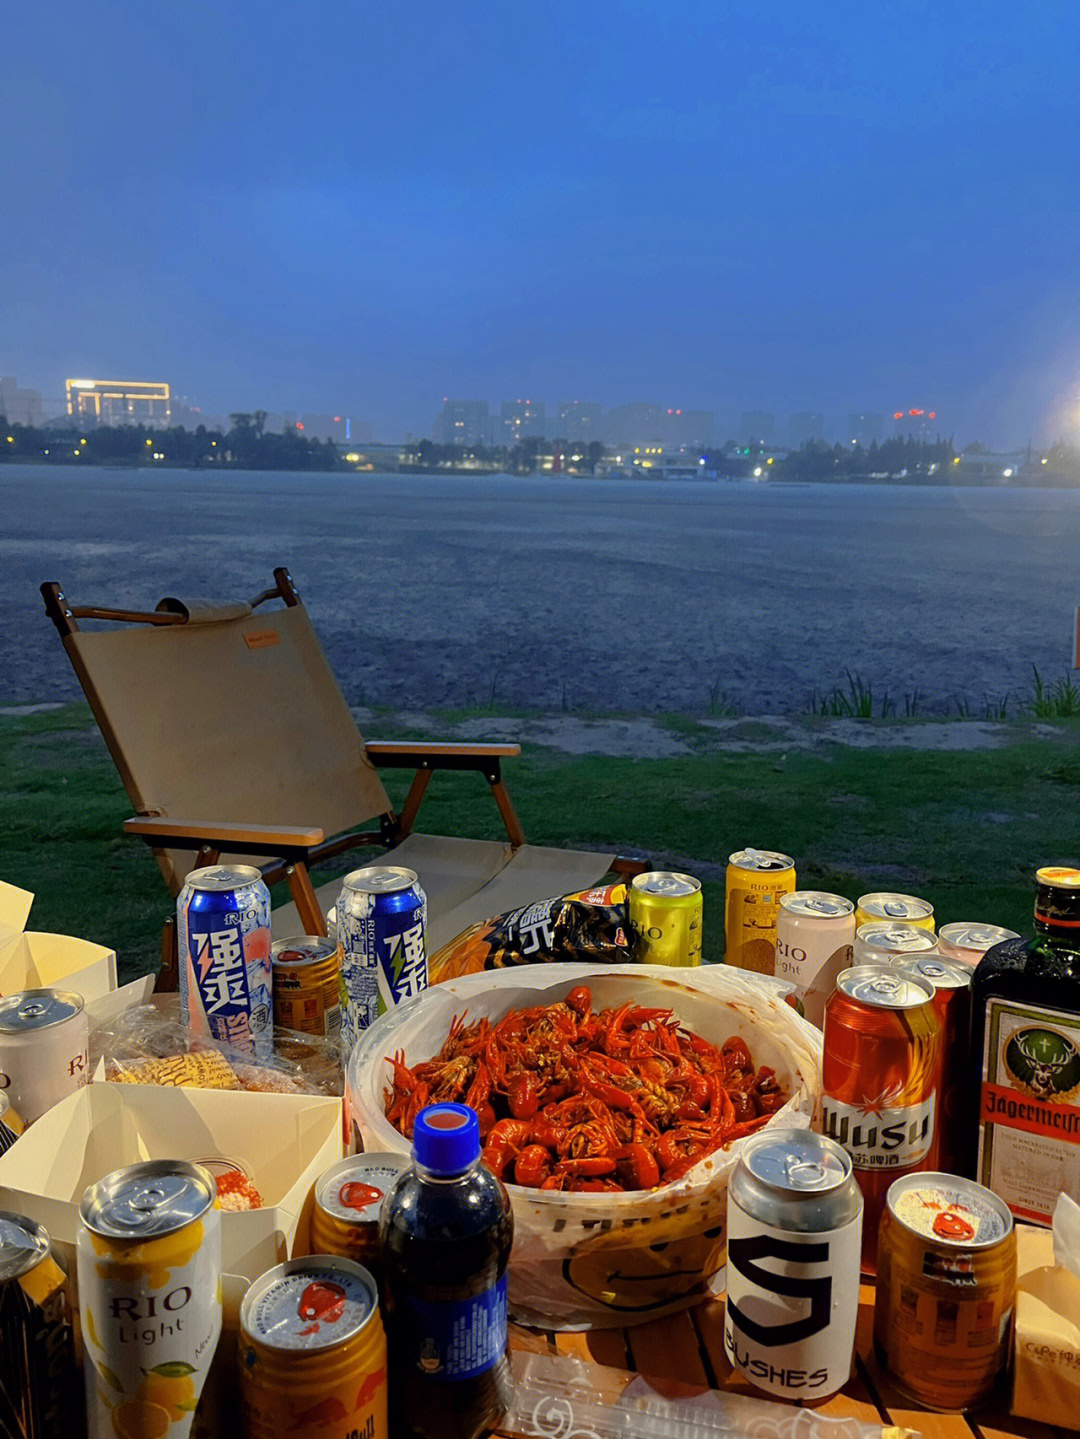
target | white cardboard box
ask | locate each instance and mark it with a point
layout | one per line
(283, 1141)
(32, 960)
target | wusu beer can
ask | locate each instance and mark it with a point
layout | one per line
(223, 927)
(794, 1237)
(880, 1078)
(814, 935)
(44, 1035)
(952, 1000)
(381, 924)
(880, 941)
(39, 1383)
(946, 1290)
(967, 942)
(347, 1204)
(665, 916)
(755, 881)
(149, 1266)
(883, 905)
(307, 984)
(313, 1353)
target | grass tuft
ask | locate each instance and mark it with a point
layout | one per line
(1056, 701)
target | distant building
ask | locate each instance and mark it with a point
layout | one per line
(865, 430)
(463, 422)
(19, 407)
(520, 420)
(687, 427)
(579, 421)
(803, 426)
(916, 424)
(758, 427)
(983, 467)
(119, 402)
(635, 424)
(324, 427)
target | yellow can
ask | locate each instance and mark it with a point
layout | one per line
(313, 1353)
(307, 979)
(665, 916)
(946, 1289)
(756, 881)
(883, 907)
(11, 1124)
(347, 1204)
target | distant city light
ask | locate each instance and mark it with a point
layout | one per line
(757, 473)
(1007, 474)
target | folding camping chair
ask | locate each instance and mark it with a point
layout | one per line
(234, 742)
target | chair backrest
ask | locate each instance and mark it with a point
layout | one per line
(238, 719)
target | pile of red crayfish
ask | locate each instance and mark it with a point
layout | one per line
(571, 1099)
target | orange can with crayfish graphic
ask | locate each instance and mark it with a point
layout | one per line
(313, 1353)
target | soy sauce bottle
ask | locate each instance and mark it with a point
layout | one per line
(445, 1233)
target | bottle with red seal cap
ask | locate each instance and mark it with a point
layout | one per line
(445, 1233)
(1025, 1054)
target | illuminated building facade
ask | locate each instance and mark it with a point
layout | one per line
(916, 424)
(463, 422)
(578, 420)
(520, 420)
(119, 402)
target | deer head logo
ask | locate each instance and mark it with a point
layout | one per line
(1043, 1062)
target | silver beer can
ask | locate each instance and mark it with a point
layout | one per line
(794, 1236)
(880, 943)
(814, 937)
(967, 942)
(381, 915)
(44, 1036)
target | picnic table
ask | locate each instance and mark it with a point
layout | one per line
(688, 1348)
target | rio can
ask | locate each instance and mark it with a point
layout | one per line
(381, 924)
(223, 929)
(347, 1205)
(952, 1000)
(880, 1077)
(44, 1035)
(884, 906)
(665, 916)
(307, 984)
(756, 880)
(814, 936)
(39, 1382)
(149, 1265)
(794, 1238)
(946, 1290)
(967, 942)
(880, 941)
(313, 1353)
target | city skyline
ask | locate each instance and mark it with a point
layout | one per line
(785, 208)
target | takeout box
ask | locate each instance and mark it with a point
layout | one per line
(33, 960)
(1046, 1374)
(282, 1142)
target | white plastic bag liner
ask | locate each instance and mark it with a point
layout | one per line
(602, 1260)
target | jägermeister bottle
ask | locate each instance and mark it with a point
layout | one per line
(1026, 1055)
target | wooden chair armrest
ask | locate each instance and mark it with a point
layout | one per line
(223, 835)
(413, 754)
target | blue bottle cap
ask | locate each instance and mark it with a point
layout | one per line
(446, 1138)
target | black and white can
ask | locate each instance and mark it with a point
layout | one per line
(794, 1237)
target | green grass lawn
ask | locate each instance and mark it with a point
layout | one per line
(964, 829)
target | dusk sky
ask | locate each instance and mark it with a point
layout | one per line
(329, 206)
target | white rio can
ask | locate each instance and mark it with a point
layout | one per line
(814, 937)
(43, 1049)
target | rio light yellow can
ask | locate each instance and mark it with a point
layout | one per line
(665, 916)
(757, 879)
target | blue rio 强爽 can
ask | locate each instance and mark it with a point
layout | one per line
(223, 933)
(381, 920)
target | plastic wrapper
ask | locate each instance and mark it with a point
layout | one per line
(585, 1260)
(149, 1044)
(590, 926)
(563, 1396)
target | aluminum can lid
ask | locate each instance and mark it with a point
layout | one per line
(223, 876)
(37, 1009)
(883, 987)
(894, 938)
(379, 879)
(302, 949)
(797, 1161)
(354, 1189)
(965, 935)
(1058, 876)
(948, 1210)
(761, 859)
(23, 1245)
(940, 973)
(309, 1304)
(665, 882)
(895, 906)
(816, 904)
(145, 1201)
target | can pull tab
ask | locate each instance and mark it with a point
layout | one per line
(32, 1009)
(321, 1302)
(806, 1174)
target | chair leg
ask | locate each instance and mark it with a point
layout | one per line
(303, 893)
(508, 812)
(168, 980)
(417, 790)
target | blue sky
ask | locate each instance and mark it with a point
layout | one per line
(816, 206)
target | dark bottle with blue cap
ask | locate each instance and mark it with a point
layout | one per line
(446, 1231)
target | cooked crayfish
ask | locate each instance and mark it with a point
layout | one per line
(571, 1099)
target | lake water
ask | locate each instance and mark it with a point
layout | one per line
(547, 593)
